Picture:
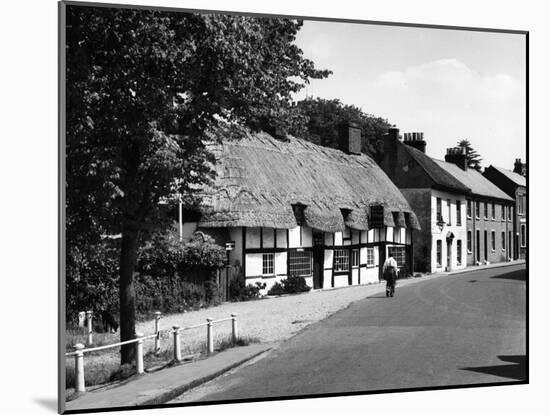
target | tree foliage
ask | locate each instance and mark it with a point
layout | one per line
(323, 116)
(143, 86)
(473, 157)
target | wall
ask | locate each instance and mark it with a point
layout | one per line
(489, 224)
(420, 202)
(440, 234)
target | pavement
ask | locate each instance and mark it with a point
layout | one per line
(159, 387)
(165, 385)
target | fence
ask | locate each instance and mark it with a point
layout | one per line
(80, 349)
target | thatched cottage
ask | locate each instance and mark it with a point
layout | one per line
(290, 207)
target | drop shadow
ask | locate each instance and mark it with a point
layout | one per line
(515, 276)
(516, 371)
(48, 403)
(377, 296)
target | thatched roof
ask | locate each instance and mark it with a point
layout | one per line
(259, 178)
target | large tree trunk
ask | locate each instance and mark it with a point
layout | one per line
(128, 256)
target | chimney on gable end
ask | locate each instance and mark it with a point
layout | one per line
(519, 167)
(349, 137)
(457, 155)
(415, 140)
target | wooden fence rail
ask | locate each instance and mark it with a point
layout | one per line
(80, 349)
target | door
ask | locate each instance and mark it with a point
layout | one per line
(449, 251)
(318, 260)
(478, 246)
(485, 245)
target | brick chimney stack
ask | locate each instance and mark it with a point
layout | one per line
(457, 155)
(415, 140)
(349, 137)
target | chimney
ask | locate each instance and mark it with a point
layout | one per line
(519, 167)
(349, 137)
(415, 140)
(457, 155)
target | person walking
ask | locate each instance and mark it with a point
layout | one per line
(389, 271)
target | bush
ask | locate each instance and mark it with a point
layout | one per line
(173, 276)
(276, 289)
(239, 291)
(291, 285)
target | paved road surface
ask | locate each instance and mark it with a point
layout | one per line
(452, 330)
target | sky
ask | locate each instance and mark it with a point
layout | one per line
(449, 84)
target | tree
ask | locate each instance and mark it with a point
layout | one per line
(474, 159)
(323, 116)
(143, 88)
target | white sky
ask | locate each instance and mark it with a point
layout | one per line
(450, 84)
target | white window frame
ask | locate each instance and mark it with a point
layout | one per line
(370, 258)
(493, 241)
(469, 241)
(268, 261)
(341, 258)
(459, 251)
(355, 258)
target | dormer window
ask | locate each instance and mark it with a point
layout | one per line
(298, 210)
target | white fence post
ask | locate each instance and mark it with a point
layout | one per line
(139, 353)
(79, 368)
(209, 336)
(177, 346)
(234, 332)
(81, 318)
(157, 339)
(90, 327)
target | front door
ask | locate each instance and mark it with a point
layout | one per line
(485, 245)
(318, 259)
(449, 251)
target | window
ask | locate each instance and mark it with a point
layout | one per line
(523, 233)
(509, 212)
(469, 208)
(300, 263)
(503, 212)
(398, 253)
(267, 264)
(439, 217)
(503, 241)
(521, 205)
(493, 241)
(469, 242)
(438, 258)
(459, 251)
(477, 209)
(355, 257)
(485, 210)
(449, 211)
(341, 260)
(493, 211)
(458, 213)
(370, 257)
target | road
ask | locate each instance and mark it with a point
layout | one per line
(452, 330)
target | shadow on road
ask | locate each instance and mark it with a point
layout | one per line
(517, 370)
(516, 276)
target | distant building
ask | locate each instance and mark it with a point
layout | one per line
(515, 186)
(290, 207)
(437, 198)
(447, 198)
(489, 212)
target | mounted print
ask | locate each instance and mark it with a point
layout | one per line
(260, 207)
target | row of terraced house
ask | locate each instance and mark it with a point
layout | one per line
(284, 206)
